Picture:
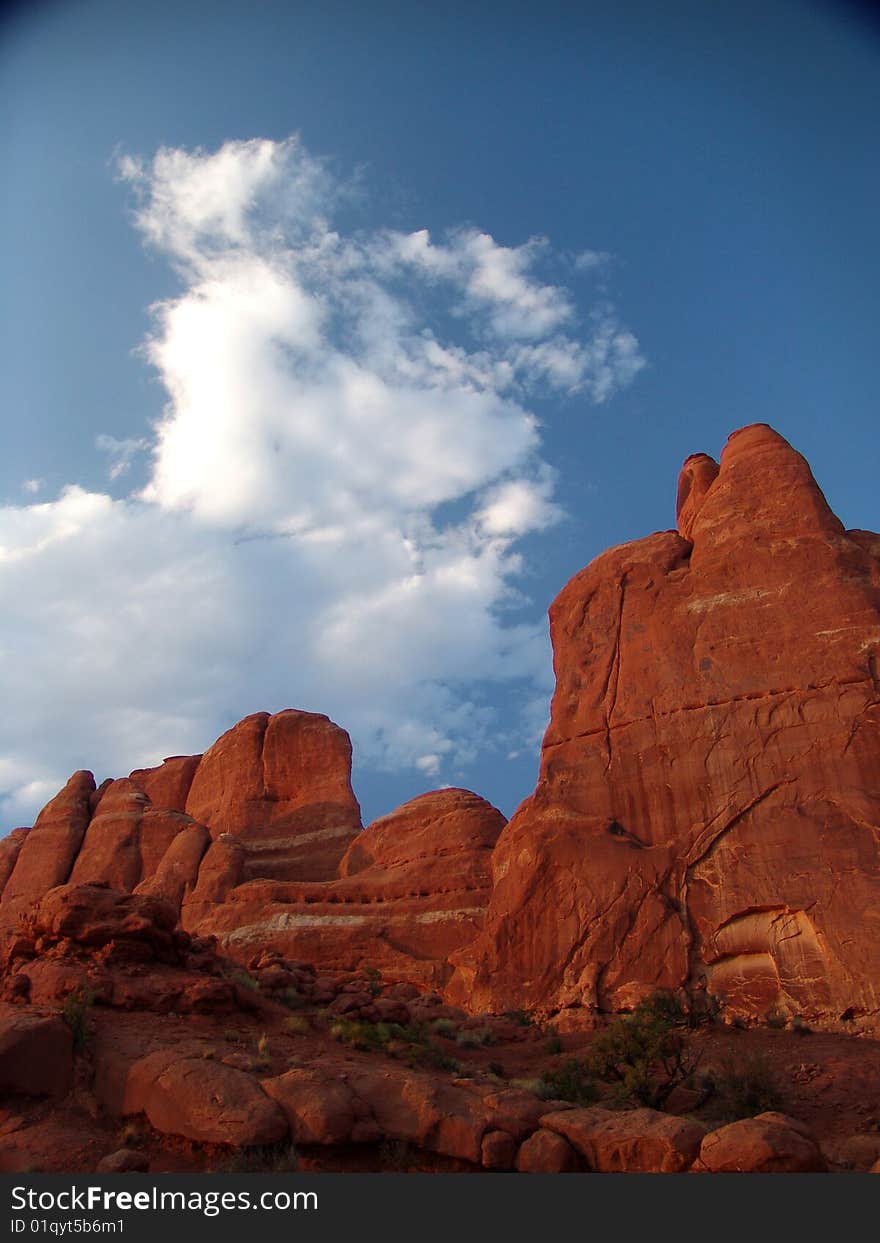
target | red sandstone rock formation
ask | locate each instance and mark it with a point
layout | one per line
(413, 888)
(706, 815)
(48, 851)
(708, 803)
(282, 785)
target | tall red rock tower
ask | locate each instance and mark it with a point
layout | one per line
(708, 807)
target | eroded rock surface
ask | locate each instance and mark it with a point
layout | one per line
(708, 805)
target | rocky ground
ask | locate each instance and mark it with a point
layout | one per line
(124, 1045)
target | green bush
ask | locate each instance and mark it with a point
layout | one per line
(297, 1025)
(553, 1045)
(75, 1013)
(572, 1082)
(475, 1038)
(643, 1054)
(743, 1087)
(373, 976)
(244, 979)
(522, 1018)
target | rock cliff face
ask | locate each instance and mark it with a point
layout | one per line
(707, 814)
(708, 807)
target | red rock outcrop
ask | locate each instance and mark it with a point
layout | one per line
(48, 851)
(413, 888)
(708, 804)
(127, 838)
(168, 784)
(281, 784)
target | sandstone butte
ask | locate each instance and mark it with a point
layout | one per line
(707, 814)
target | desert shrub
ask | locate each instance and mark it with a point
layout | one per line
(396, 1155)
(553, 1045)
(475, 1038)
(644, 1055)
(743, 1087)
(361, 1034)
(293, 999)
(75, 1013)
(373, 976)
(496, 1069)
(775, 1019)
(571, 1082)
(432, 1057)
(281, 1158)
(522, 1084)
(244, 979)
(522, 1018)
(799, 1027)
(443, 1027)
(297, 1025)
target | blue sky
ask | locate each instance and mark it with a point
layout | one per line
(407, 371)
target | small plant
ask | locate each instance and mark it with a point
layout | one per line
(132, 1134)
(297, 1025)
(496, 1069)
(373, 976)
(292, 999)
(443, 1027)
(362, 1035)
(244, 979)
(396, 1155)
(572, 1082)
(475, 1038)
(432, 1057)
(279, 1158)
(263, 1056)
(799, 1027)
(522, 1018)
(75, 1013)
(775, 1019)
(233, 1036)
(553, 1045)
(209, 1054)
(535, 1086)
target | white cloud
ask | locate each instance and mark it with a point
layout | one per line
(121, 452)
(33, 485)
(288, 548)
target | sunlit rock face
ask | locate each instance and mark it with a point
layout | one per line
(708, 807)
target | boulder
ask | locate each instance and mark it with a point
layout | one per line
(322, 1109)
(771, 1143)
(545, 1152)
(634, 1141)
(202, 1100)
(498, 1151)
(36, 1053)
